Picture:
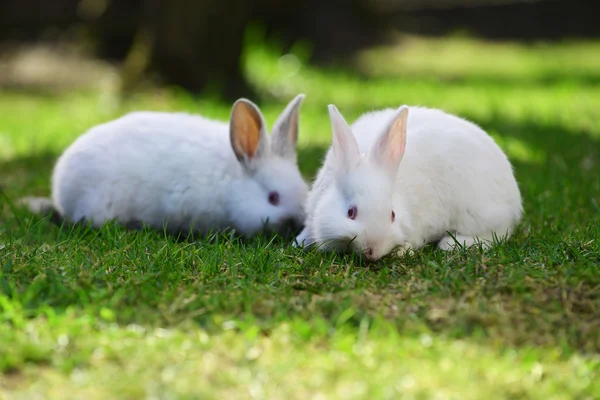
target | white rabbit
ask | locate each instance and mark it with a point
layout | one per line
(185, 172)
(452, 182)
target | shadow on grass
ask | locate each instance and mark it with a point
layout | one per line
(28, 175)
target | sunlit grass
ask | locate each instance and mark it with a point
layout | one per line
(240, 362)
(501, 62)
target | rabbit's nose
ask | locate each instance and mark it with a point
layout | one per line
(370, 254)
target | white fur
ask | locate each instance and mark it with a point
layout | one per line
(179, 171)
(452, 178)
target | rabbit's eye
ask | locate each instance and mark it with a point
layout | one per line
(352, 211)
(393, 216)
(274, 198)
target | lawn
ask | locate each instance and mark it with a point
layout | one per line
(127, 315)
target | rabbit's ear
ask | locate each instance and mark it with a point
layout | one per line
(389, 148)
(247, 132)
(285, 130)
(345, 149)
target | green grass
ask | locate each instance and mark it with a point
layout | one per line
(118, 314)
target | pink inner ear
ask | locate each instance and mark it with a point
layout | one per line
(396, 154)
(246, 128)
(391, 145)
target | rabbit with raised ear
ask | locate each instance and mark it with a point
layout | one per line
(185, 172)
(399, 179)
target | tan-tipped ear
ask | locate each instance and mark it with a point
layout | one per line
(284, 135)
(344, 146)
(247, 131)
(389, 148)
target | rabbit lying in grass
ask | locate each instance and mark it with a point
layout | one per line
(452, 183)
(184, 173)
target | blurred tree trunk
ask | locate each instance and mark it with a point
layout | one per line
(193, 44)
(198, 44)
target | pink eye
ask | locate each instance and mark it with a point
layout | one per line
(274, 198)
(393, 216)
(352, 211)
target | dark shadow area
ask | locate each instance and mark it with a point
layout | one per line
(537, 20)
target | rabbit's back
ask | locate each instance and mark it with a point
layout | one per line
(145, 166)
(453, 176)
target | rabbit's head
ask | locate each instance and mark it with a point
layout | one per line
(356, 211)
(271, 192)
